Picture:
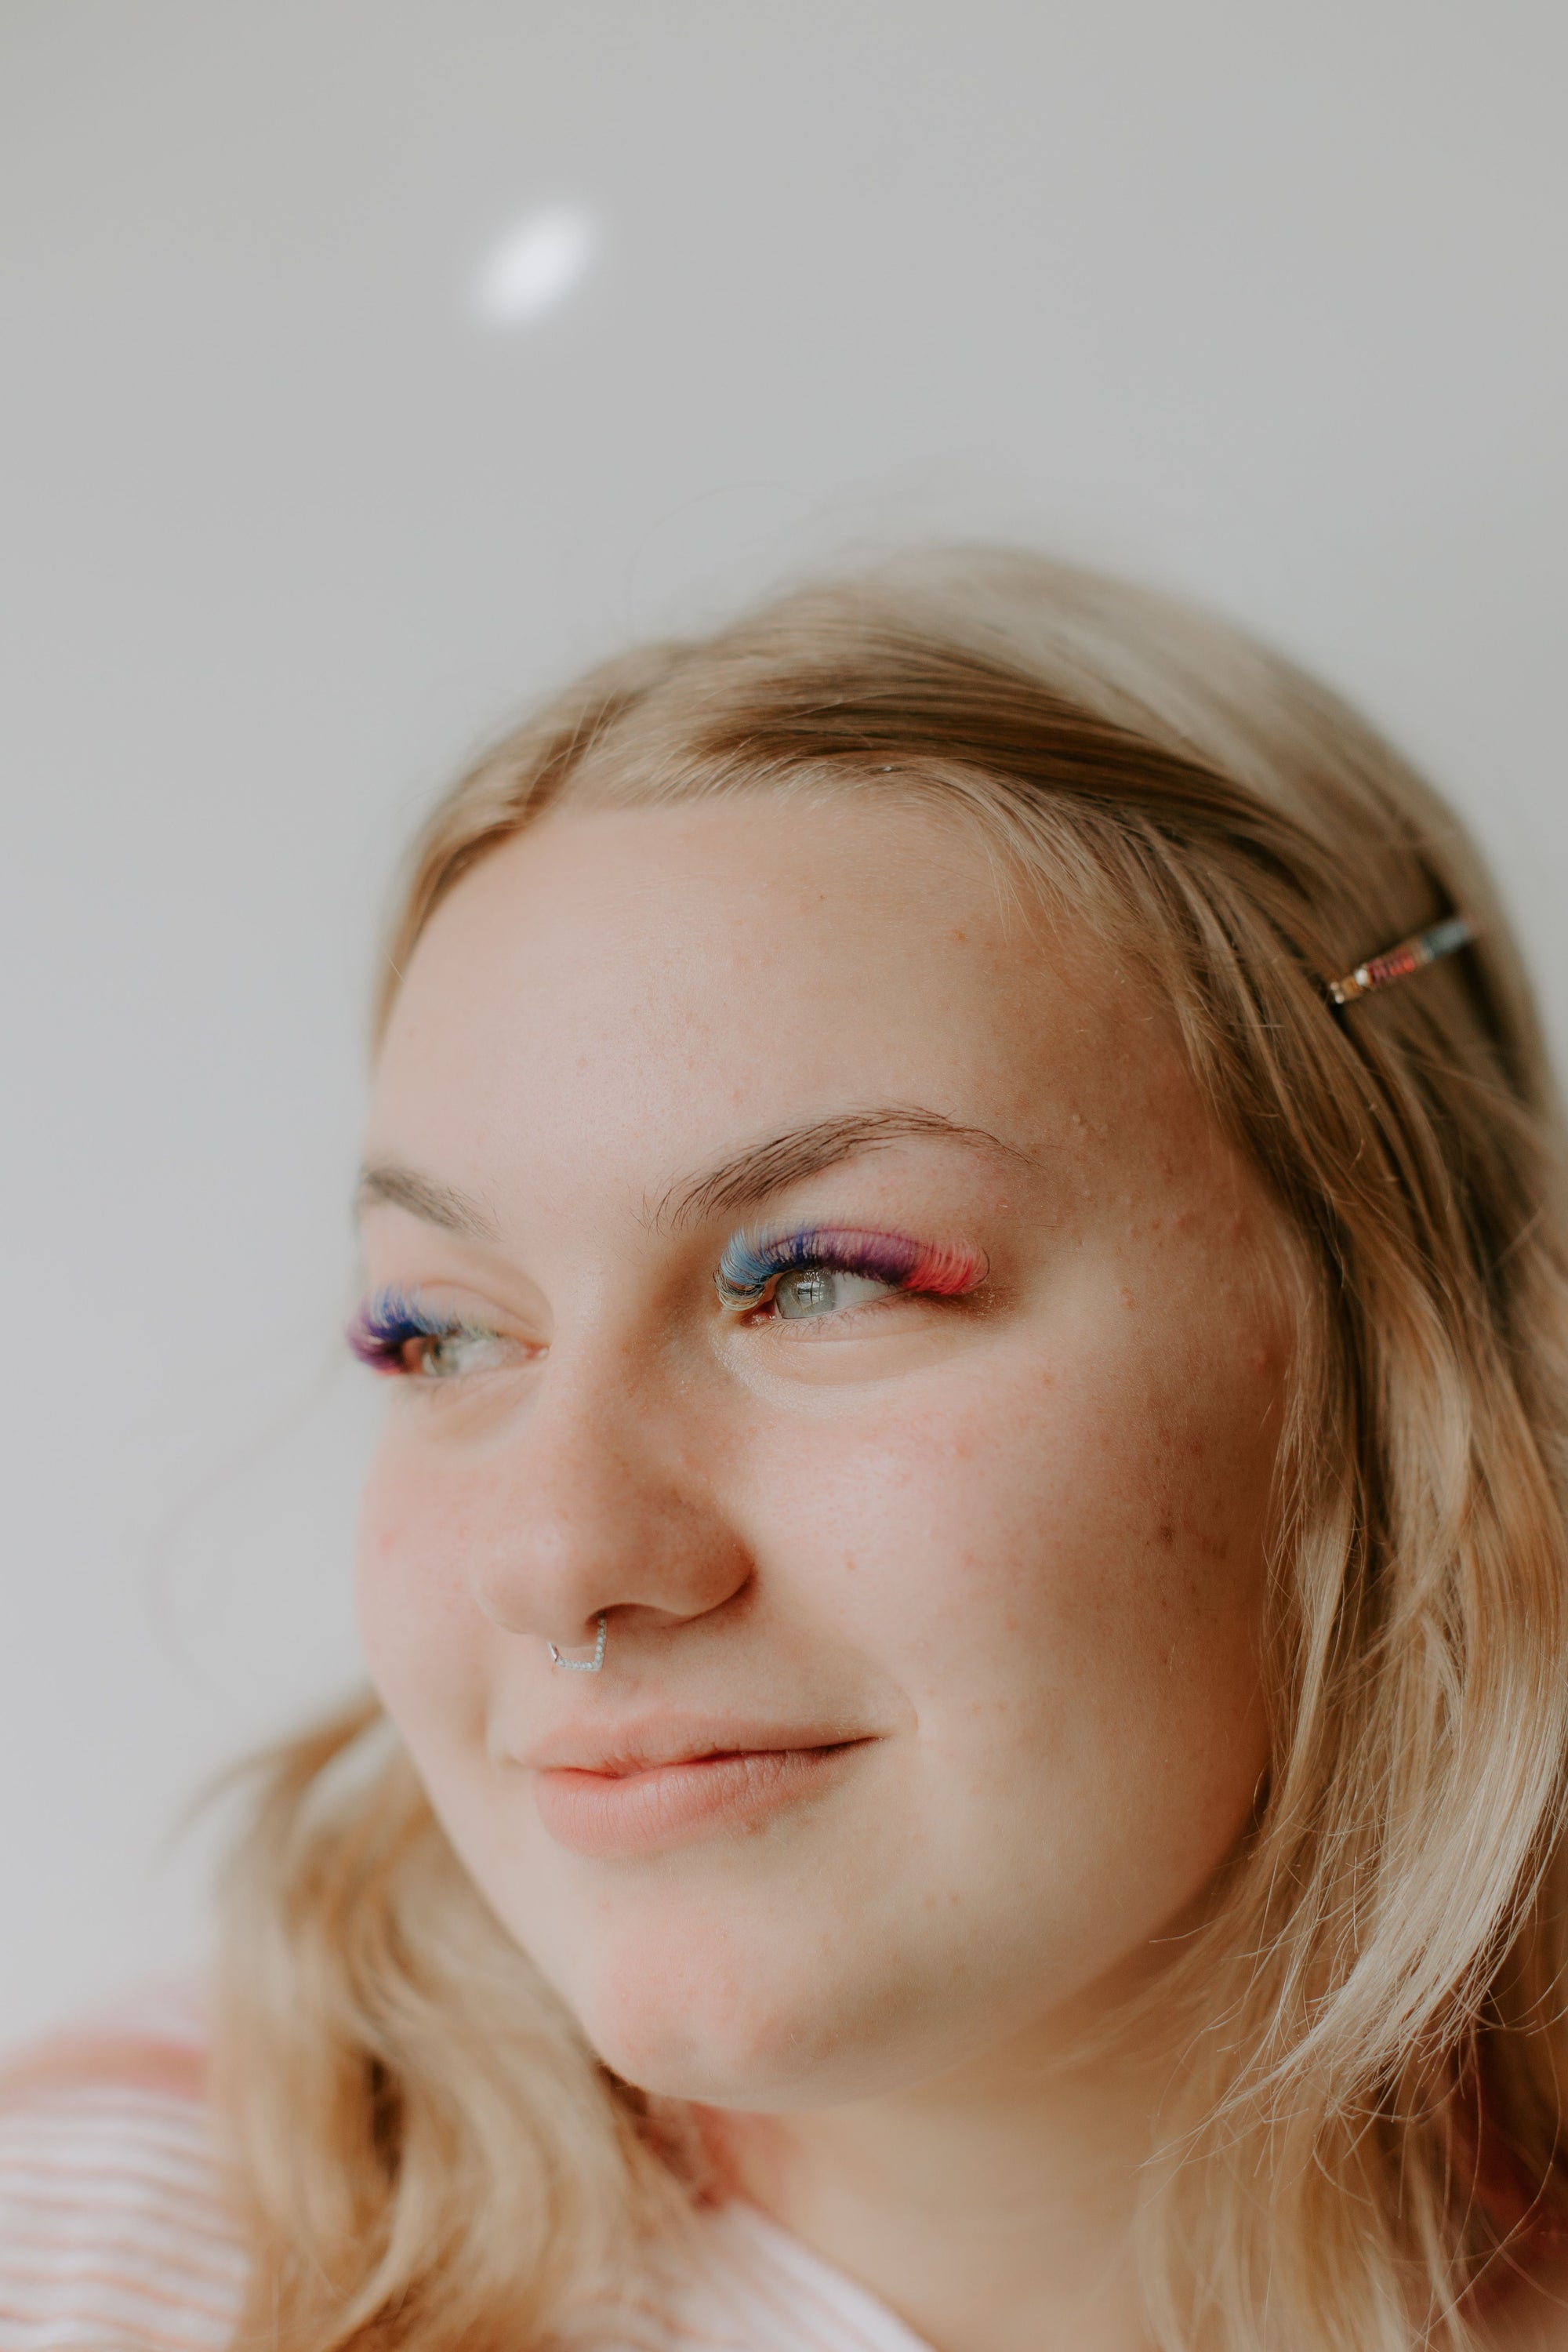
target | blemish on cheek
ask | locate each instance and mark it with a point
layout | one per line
(1126, 1296)
(1167, 1535)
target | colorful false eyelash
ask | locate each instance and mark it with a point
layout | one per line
(384, 1326)
(751, 1261)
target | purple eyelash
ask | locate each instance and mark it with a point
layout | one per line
(751, 1261)
(384, 1326)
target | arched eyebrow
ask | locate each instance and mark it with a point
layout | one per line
(744, 1178)
(422, 1196)
(801, 1151)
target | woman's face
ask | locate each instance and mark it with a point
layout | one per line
(931, 1551)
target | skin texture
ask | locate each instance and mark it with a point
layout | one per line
(1012, 1544)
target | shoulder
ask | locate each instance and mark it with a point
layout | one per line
(114, 2232)
(740, 2282)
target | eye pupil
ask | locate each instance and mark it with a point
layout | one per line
(806, 1293)
(442, 1354)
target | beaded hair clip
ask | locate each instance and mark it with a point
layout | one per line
(1445, 939)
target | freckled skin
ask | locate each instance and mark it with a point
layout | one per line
(1016, 1542)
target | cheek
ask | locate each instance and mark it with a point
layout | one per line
(418, 1623)
(1033, 1502)
(1061, 1563)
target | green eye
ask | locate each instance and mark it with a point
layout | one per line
(447, 1355)
(821, 1290)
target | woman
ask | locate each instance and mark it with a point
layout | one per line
(966, 1580)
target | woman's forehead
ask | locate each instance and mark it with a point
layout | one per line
(675, 983)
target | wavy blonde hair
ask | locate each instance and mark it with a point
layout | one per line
(1369, 2115)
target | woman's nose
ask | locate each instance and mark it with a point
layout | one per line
(597, 1504)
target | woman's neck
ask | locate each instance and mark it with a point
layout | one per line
(992, 2209)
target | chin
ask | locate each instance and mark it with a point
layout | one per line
(754, 2055)
(763, 2021)
(702, 2017)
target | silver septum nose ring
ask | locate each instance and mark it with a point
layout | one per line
(583, 1665)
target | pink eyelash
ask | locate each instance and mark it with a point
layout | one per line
(751, 1261)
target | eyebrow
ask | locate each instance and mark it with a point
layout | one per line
(747, 1176)
(438, 1204)
(802, 1151)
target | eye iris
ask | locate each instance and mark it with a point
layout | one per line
(812, 1291)
(443, 1355)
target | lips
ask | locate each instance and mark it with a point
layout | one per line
(664, 1786)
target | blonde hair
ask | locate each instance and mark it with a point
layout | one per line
(431, 2158)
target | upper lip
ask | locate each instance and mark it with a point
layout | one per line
(641, 1747)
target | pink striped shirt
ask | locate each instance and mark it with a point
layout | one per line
(114, 2235)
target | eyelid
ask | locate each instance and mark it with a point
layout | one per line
(383, 1324)
(751, 1262)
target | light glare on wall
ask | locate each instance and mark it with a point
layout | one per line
(535, 265)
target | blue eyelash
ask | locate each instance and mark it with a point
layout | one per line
(749, 1262)
(384, 1326)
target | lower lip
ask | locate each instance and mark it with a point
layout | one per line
(617, 1815)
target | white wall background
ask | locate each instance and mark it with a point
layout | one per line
(1259, 297)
